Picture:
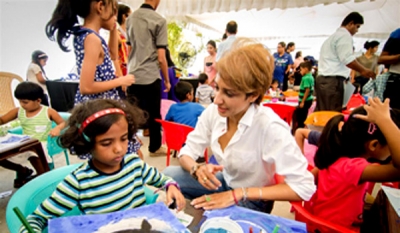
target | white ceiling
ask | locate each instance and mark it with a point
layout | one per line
(274, 19)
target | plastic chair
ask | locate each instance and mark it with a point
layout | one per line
(176, 136)
(314, 223)
(290, 93)
(355, 101)
(317, 120)
(52, 143)
(32, 194)
(283, 111)
(8, 81)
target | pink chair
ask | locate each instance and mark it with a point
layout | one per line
(165, 105)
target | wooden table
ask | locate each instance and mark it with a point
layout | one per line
(197, 215)
(30, 144)
(381, 217)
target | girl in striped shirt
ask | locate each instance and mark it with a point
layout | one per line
(111, 180)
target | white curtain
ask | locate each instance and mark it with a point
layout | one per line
(185, 7)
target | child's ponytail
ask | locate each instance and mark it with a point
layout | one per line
(65, 18)
(329, 148)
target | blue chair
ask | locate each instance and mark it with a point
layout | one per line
(29, 196)
(52, 143)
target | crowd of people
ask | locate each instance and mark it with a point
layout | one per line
(120, 92)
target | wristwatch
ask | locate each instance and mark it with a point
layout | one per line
(194, 169)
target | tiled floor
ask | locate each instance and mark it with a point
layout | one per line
(7, 177)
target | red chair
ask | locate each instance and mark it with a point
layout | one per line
(175, 135)
(355, 101)
(314, 223)
(282, 110)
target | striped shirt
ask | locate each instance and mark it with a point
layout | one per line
(38, 126)
(96, 193)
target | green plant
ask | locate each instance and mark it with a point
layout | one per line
(175, 36)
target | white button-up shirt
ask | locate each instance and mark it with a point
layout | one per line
(261, 147)
(225, 46)
(336, 53)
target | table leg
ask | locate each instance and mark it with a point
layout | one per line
(38, 149)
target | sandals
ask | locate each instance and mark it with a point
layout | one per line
(23, 178)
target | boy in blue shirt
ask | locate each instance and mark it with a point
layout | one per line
(305, 97)
(186, 112)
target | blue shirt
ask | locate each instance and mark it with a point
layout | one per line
(185, 113)
(281, 64)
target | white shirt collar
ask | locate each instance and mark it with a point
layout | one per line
(247, 118)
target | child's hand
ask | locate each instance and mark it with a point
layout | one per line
(376, 111)
(174, 193)
(55, 132)
(127, 80)
(301, 105)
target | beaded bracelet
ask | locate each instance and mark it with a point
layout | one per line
(234, 197)
(165, 187)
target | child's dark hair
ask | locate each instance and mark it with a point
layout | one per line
(38, 55)
(350, 140)
(73, 138)
(370, 44)
(307, 65)
(224, 36)
(64, 19)
(203, 78)
(357, 90)
(122, 10)
(275, 81)
(181, 89)
(28, 91)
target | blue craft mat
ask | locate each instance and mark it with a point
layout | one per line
(91, 223)
(266, 221)
(13, 139)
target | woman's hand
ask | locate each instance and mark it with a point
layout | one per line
(216, 201)
(127, 80)
(174, 193)
(377, 112)
(206, 176)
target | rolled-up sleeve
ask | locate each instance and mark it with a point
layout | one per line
(199, 139)
(282, 150)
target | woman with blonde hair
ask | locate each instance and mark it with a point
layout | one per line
(250, 143)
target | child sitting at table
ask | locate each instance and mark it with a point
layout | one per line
(344, 172)
(111, 180)
(204, 92)
(305, 96)
(186, 112)
(35, 120)
(274, 90)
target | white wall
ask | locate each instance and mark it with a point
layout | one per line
(22, 30)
